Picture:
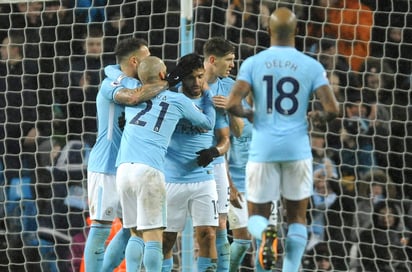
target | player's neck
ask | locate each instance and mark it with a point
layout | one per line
(278, 42)
(210, 77)
(128, 71)
(192, 96)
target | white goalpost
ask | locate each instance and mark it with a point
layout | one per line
(186, 37)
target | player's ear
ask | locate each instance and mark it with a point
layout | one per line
(212, 59)
(162, 75)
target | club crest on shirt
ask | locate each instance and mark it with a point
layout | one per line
(115, 83)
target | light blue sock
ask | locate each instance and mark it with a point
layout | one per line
(95, 245)
(258, 268)
(134, 253)
(167, 265)
(256, 225)
(153, 256)
(115, 251)
(238, 250)
(223, 250)
(295, 244)
(206, 264)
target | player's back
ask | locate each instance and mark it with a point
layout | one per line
(283, 81)
(103, 155)
(149, 127)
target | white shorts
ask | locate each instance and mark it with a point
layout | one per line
(238, 217)
(104, 202)
(142, 196)
(266, 182)
(222, 187)
(197, 200)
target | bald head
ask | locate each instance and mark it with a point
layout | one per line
(282, 26)
(151, 69)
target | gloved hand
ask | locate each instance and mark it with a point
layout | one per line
(206, 156)
(174, 77)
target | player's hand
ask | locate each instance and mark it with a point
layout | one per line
(206, 156)
(249, 115)
(320, 118)
(172, 79)
(235, 197)
(220, 101)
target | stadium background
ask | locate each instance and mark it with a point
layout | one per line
(55, 94)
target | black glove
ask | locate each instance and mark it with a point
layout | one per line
(121, 121)
(206, 156)
(174, 77)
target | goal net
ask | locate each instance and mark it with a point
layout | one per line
(52, 59)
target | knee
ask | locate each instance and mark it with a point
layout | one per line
(169, 240)
(222, 221)
(206, 235)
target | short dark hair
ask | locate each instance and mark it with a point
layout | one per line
(190, 62)
(217, 46)
(126, 47)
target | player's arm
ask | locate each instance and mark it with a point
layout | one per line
(236, 125)
(206, 156)
(140, 94)
(114, 73)
(220, 102)
(222, 134)
(223, 140)
(329, 103)
(235, 196)
(205, 119)
(240, 90)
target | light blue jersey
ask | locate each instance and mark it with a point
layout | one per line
(221, 86)
(239, 154)
(181, 158)
(283, 80)
(103, 155)
(150, 125)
